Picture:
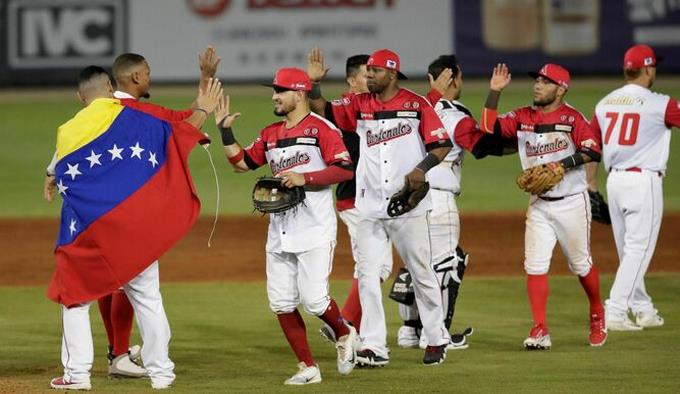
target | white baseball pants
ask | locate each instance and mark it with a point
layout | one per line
(444, 236)
(636, 207)
(566, 221)
(351, 219)
(300, 278)
(77, 353)
(410, 236)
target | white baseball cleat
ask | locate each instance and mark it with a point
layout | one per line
(135, 352)
(538, 339)
(61, 383)
(123, 366)
(304, 375)
(347, 354)
(458, 340)
(647, 320)
(408, 338)
(622, 324)
(161, 384)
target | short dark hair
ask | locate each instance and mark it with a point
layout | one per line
(91, 72)
(442, 62)
(354, 63)
(632, 73)
(125, 61)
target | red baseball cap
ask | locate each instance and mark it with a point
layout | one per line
(384, 58)
(291, 78)
(639, 56)
(555, 73)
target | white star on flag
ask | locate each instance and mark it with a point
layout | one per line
(152, 160)
(73, 170)
(72, 227)
(115, 152)
(136, 151)
(93, 159)
(61, 187)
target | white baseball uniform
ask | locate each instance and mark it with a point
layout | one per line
(635, 126)
(300, 242)
(563, 213)
(395, 136)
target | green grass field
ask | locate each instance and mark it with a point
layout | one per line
(28, 121)
(226, 340)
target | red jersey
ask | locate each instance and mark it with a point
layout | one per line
(155, 110)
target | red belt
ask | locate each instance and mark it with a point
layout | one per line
(638, 169)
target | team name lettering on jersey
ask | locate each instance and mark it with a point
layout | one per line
(624, 100)
(544, 149)
(286, 163)
(397, 131)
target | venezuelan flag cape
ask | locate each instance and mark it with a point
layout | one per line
(127, 197)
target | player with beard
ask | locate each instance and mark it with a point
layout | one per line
(554, 133)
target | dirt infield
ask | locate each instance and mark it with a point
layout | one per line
(494, 241)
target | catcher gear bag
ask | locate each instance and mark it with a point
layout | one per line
(402, 288)
(539, 179)
(599, 208)
(407, 198)
(270, 196)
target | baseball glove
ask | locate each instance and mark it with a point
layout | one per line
(407, 198)
(539, 179)
(599, 208)
(270, 196)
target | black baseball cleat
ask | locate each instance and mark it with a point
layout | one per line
(367, 358)
(434, 355)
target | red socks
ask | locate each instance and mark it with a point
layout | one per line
(294, 329)
(351, 311)
(591, 284)
(332, 318)
(117, 315)
(537, 288)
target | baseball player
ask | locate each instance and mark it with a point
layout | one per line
(635, 124)
(304, 150)
(397, 128)
(131, 73)
(551, 131)
(94, 88)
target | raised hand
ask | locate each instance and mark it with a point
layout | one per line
(207, 99)
(208, 62)
(48, 188)
(223, 118)
(442, 82)
(500, 78)
(316, 68)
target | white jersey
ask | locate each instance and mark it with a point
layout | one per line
(548, 137)
(632, 122)
(394, 137)
(312, 145)
(447, 175)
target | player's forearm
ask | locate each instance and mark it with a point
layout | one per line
(232, 150)
(490, 111)
(576, 160)
(591, 175)
(433, 157)
(317, 102)
(197, 118)
(328, 176)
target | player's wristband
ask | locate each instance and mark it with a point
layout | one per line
(315, 93)
(201, 110)
(572, 161)
(239, 156)
(492, 99)
(227, 136)
(428, 162)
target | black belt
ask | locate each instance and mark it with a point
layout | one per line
(551, 198)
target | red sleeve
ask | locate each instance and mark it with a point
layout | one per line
(584, 136)
(328, 176)
(672, 116)
(157, 111)
(343, 113)
(431, 128)
(595, 126)
(333, 150)
(433, 96)
(508, 124)
(255, 152)
(467, 133)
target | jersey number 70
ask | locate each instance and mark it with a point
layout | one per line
(628, 128)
